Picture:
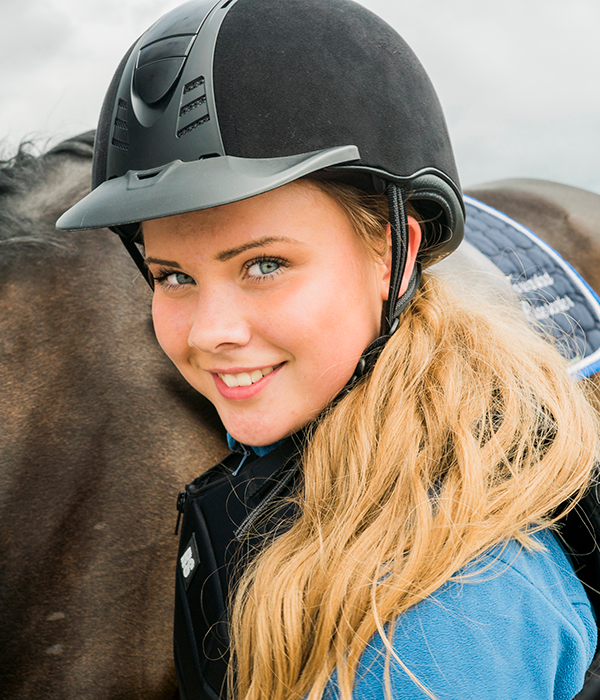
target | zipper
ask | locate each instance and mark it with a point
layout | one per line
(181, 499)
(192, 490)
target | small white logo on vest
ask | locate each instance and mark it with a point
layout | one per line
(189, 560)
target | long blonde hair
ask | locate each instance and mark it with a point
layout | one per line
(468, 432)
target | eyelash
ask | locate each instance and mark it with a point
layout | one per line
(266, 258)
(164, 273)
(161, 279)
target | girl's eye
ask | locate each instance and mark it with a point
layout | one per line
(264, 267)
(178, 278)
(173, 279)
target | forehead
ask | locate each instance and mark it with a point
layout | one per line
(299, 210)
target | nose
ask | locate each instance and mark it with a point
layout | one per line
(220, 322)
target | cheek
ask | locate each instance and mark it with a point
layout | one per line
(330, 322)
(346, 298)
(305, 314)
(172, 329)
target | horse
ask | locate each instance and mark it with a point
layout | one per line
(100, 433)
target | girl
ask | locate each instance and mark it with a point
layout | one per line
(384, 524)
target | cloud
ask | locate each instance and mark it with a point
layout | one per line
(32, 32)
(518, 80)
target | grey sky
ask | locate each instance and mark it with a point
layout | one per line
(518, 79)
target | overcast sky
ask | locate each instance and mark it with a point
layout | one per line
(518, 79)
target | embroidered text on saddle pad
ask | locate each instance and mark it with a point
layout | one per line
(551, 292)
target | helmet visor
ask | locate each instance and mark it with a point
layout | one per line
(179, 187)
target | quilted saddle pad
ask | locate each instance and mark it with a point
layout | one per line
(550, 292)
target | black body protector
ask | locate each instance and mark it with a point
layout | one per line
(220, 101)
(228, 513)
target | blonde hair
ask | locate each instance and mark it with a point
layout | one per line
(468, 432)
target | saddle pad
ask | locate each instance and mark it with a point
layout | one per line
(550, 291)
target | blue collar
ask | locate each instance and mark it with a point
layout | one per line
(260, 451)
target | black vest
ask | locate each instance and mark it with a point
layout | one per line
(226, 514)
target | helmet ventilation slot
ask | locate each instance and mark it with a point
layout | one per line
(194, 113)
(120, 144)
(120, 137)
(192, 126)
(148, 176)
(192, 105)
(193, 84)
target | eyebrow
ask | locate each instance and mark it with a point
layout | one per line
(159, 261)
(230, 253)
(225, 255)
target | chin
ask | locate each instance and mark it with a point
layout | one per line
(259, 437)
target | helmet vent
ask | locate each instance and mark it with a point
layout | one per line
(193, 84)
(148, 176)
(120, 138)
(120, 144)
(194, 113)
(192, 105)
(192, 126)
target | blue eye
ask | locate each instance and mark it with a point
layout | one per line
(264, 267)
(178, 278)
(173, 279)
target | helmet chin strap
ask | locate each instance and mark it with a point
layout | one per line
(138, 258)
(395, 304)
(399, 234)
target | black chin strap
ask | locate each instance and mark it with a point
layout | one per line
(138, 258)
(395, 304)
(399, 235)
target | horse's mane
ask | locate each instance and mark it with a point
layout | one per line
(35, 189)
(23, 170)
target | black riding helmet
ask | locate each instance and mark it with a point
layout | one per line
(218, 102)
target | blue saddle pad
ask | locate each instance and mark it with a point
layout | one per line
(550, 291)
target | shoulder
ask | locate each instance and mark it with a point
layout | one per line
(513, 624)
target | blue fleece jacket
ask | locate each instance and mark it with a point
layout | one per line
(519, 626)
(514, 625)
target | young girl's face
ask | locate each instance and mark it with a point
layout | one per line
(265, 305)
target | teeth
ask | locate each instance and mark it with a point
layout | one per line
(245, 378)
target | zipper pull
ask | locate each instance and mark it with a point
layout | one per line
(181, 499)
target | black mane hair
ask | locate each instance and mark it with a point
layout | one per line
(28, 201)
(22, 171)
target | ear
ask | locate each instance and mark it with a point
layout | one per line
(414, 242)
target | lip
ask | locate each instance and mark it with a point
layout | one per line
(241, 393)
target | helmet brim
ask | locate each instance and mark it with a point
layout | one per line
(181, 187)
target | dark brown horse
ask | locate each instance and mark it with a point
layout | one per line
(99, 433)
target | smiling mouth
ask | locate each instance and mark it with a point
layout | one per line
(246, 378)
